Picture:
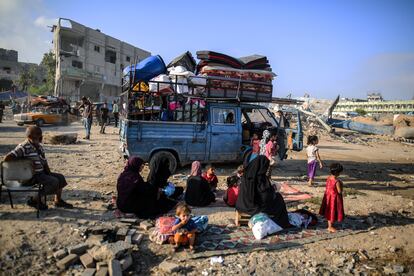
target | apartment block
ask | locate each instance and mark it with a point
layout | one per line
(90, 63)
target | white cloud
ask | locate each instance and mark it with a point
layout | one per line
(45, 22)
(23, 28)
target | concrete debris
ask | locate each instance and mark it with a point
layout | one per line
(67, 261)
(78, 249)
(60, 254)
(126, 262)
(137, 238)
(101, 265)
(102, 272)
(89, 272)
(169, 267)
(110, 251)
(129, 220)
(145, 225)
(87, 261)
(114, 268)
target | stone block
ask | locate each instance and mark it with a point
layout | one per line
(111, 251)
(169, 267)
(145, 225)
(89, 272)
(102, 272)
(114, 268)
(121, 234)
(60, 254)
(126, 262)
(137, 238)
(67, 261)
(87, 261)
(101, 265)
(78, 249)
(129, 220)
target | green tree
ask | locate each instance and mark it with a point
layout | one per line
(361, 112)
(27, 78)
(49, 62)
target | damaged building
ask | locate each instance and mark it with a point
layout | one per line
(11, 69)
(90, 63)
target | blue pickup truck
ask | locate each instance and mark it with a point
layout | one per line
(222, 135)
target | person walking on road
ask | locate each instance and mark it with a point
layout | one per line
(115, 111)
(87, 116)
(104, 117)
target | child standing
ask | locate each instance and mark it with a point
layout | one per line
(185, 228)
(312, 152)
(332, 207)
(210, 176)
(271, 152)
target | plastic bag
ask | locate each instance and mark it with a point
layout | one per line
(295, 219)
(263, 228)
(169, 189)
(260, 217)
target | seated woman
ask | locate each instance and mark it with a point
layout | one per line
(256, 194)
(137, 196)
(198, 191)
(159, 174)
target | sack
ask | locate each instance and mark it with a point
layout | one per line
(260, 217)
(162, 230)
(263, 228)
(311, 218)
(154, 86)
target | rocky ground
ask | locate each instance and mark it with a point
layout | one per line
(379, 181)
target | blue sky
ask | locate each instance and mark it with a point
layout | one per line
(323, 48)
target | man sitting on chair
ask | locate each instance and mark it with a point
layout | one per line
(53, 183)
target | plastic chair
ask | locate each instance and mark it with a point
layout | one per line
(16, 176)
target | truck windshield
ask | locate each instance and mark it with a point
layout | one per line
(259, 116)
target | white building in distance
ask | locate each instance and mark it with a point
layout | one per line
(90, 63)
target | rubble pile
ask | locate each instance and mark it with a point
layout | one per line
(106, 250)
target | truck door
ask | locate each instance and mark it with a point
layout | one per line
(196, 150)
(225, 134)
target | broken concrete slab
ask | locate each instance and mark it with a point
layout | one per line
(145, 225)
(111, 251)
(128, 239)
(104, 271)
(169, 267)
(95, 240)
(121, 234)
(78, 249)
(126, 262)
(87, 261)
(60, 254)
(137, 238)
(101, 265)
(129, 220)
(89, 272)
(67, 261)
(114, 268)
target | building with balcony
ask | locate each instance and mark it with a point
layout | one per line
(90, 63)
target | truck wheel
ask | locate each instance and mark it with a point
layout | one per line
(40, 122)
(165, 154)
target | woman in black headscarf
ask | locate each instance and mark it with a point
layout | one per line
(159, 174)
(134, 194)
(198, 191)
(256, 194)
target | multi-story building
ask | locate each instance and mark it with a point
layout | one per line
(11, 68)
(90, 63)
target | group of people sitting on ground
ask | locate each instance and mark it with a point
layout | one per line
(249, 190)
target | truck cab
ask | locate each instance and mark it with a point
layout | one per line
(222, 134)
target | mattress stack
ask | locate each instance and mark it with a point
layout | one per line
(249, 78)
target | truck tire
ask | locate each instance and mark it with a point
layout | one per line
(165, 154)
(40, 122)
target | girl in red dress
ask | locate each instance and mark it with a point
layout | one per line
(332, 207)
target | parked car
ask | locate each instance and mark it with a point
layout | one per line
(42, 116)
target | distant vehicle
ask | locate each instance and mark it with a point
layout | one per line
(42, 116)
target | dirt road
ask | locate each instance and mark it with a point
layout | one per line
(379, 180)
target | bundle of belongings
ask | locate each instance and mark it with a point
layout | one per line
(248, 78)
(152, 84)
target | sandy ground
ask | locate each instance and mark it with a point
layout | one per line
(379, 181)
